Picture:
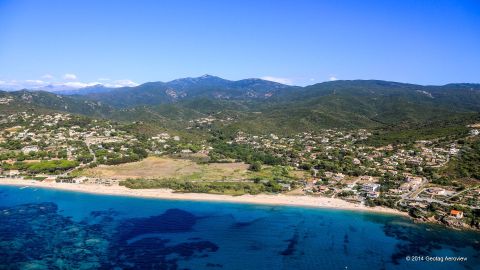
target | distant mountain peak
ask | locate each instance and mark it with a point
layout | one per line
(209, 77)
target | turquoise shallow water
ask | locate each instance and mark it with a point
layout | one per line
(50, 229)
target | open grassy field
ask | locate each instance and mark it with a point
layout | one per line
(163, 167)
(188, 170)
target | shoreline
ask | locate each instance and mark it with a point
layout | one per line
(167, 194)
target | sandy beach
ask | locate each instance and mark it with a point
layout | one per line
(279, 199)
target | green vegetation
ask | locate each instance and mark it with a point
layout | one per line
(118, 154)
(47, 166)
(344, 194)
(244, 153)
(20, 156)
(389, 181)
(339, 161)
(229, 188)
(467, 165)
(383, 201)
(255, 166)
(276, 173)
(389, 106)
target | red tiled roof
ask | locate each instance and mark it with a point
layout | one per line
(455, 212)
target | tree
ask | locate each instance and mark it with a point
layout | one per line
(255, 166)
(306, 166)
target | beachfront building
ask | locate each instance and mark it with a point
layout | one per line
(371, 187)
(12, 173)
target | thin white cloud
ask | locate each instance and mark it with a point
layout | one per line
(48, 77)
(70, 77)
(121, 83)
(10, 85)
(59, 85)
(35, 82)
(332, 78)
(76, 85)
(277, 79)
(3, 83)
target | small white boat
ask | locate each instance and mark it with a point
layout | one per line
(24, 187)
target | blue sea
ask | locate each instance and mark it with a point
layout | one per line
(51, 229)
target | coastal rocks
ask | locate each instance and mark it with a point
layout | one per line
(447, 221)
(455, 224)
(140, 244)
(414, 240)
(157, 253)
(172, 221)
(35, 236)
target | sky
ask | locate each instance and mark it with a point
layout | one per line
(125, 43)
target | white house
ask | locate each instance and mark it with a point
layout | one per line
(370, 187)
(12, 173)
(30, 148)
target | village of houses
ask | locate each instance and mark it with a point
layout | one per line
(338, 164)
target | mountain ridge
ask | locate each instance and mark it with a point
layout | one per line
(152, 93)
(343, 103)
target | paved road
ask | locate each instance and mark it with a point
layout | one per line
(463, 191)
